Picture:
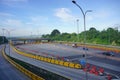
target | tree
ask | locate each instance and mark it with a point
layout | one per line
(112, 35)
(55, 32)
(93, 33)
(3, 40)
(109, 36)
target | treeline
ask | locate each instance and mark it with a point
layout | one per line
(110, 36)
(3, 40)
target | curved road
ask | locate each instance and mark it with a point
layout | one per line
(74, 74)
(8, 72)
(110, 64)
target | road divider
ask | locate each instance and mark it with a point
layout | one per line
(22, 69)
(93, 46)
(49, 60)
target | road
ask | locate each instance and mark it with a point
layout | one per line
(110, 64)
(8, 72)
(74, 74)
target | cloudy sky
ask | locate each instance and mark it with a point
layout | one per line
(36, 17)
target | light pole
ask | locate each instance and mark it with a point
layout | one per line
(77, 29)
(3, 35)
(109, 36)
(9, 37)
(84, 17)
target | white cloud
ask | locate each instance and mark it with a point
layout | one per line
(37, 20)
(10, 1)
(12, 23)
(64, 14)
(101, 14)
(13, 2)
(3, 14)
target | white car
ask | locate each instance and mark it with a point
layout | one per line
(74, 45)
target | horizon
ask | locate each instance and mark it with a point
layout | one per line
(28, 17)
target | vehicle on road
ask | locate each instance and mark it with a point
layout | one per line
(85, 48)
(109, 53)
(74, 45)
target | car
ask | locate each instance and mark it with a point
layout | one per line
(109, 53)
(85, 48)
(74, 45)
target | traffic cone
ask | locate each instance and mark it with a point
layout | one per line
(101, 71)
(109, 77)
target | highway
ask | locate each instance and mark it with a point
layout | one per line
(74, 74)
(110, 64)
(9, 72)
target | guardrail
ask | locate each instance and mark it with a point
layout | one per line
(22, 69)
(117, 50)
(49, 60)
(99, 47)
(94, 46)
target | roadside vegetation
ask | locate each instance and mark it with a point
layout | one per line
(109, 36)
(3, 39)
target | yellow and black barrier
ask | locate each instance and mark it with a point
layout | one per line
(22, 69)
(49, 60)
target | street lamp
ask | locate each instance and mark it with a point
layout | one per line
(77, 29)
(9, 37)
(84, 17)
(3, 35)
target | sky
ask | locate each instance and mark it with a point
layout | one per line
(37, 17)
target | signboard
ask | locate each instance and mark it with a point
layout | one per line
(83, 62)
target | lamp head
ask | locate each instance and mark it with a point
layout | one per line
(73, 1)
(89, 10)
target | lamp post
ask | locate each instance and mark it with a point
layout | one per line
(84, 17)
(77, 29)
(109, 36)
(9, 37)
(3, 35)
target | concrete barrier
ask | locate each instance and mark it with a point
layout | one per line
(52, 61)
(45, 59)
(49, 60)
(72, 65)
(61, 63)
(42, 58)
(78, 66)
(66, 64)
(22, 69)
(56, 61)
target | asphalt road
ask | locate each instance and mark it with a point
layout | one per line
(74, 74)
(8, 72)
(94, 57)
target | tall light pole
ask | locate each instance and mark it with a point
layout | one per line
(84, 17)
(78, 29)
(3, 35)
(109, 36)
(8, 31)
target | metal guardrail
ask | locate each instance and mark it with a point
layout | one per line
(22, 69)
(95, 46)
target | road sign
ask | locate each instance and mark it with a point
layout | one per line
(82, 62)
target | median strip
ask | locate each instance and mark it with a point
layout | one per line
(49, 60)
